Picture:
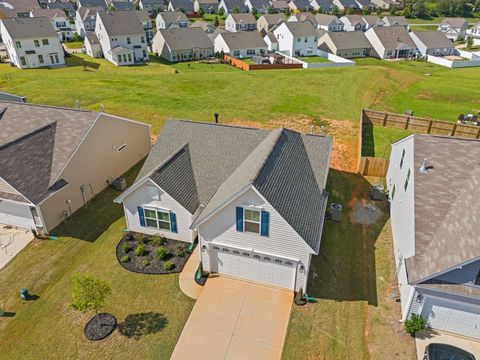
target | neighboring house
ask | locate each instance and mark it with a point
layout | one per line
(59, 20)
(208, 6)
(122, 37)
(230, 6)
(324, 6)
(240, 22)
(92, 45)
(242, 44)
(209, 28)
(304, 16)
(65, 6)
(272, 43)
(364, 4)
(255, 198)
(268, 22)
(372, 21)
(146, 23)
(31, 42)
(454, 28)
(297, 38)
(329, 22)
(395, 20)
(346, 4)
(353, 23)
(474, 33)
(433, 43)
(54, 160)
(261, 6)
(280, 5)
(185, 6)
(384, 4)
(392, 42)
(300, 5)
(153, 7)
(347, 44)
(171, 20)
(435, 230)
(12, 97)
(85, 19)
(182, 44)
(92, 4)
(213, 35)
(121, 5)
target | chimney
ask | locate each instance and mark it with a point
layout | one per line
(423, 168)
(216, 117)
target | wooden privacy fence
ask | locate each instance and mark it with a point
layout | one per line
(373, 166)
(420, 125)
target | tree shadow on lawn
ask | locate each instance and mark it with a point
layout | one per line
(345, 269)
(137, 325)
(74, 60)
(93, 219)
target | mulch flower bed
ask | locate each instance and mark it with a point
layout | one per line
(100, 326)
(148, 260)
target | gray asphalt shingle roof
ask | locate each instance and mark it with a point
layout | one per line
(27, 28)
(434, 39)
(446, 205)
(243, 40)
(36, 143)
(301, 28)
(288, 168)
(393, 37)
(118, 23)
(186, 38)
(344, 40)
(170, 17)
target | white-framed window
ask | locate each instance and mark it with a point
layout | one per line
(128, 40)
(403, 157)
(407, 179)
(40, 59)
(37, 43)
(251, 220)
(157, 219)
(23, 61)
(45, 41)
(392, 194)
(18, 44)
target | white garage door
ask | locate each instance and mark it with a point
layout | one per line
(16, 215)
(451, 317)
(256, 267)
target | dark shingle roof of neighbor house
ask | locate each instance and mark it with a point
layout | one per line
(288, 168)
(185, 5)
(24, 4)
(349, 4)
(454, 22)
(172, 16)
(446, 205)
(244, 40)
(244, 18)
(301, 28)
(260, 4)
(393, 37)
(325, 19)
(25, 28)
(93, 3)
(354, 19)
(119, 23)
(230, 4)
(302, 4)
(371, 20)
(92, 38)
(395, 20)
(186, 38)
(142, 15)
(434, 39)
(349, 40)
(68, 6)
(36, 143)
(325, 4)
(280, 4)
(89, 11)
(306, 16)
(273, 19)
(204, 25)
(122, 5)
(48, 13)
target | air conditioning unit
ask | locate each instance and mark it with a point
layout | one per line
(120, 184)
(378, 192)
(335, 211)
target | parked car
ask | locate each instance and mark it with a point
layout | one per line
(446, 352)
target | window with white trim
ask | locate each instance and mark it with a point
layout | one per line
(407, 179)
(251, 221)
(157, 219)
(403, 158)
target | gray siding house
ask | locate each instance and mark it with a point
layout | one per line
(185, 44)
(434, 207)
(347, 44)
(433, 43)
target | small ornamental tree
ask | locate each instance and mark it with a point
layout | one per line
(216, 21)
(469, 42)
(89, 294)
(415, 324)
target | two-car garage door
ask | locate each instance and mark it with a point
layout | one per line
(453, 317)
(253, 266)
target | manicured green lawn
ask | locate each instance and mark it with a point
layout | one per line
(74, 44)
(422, 28)
(377, 140)
(314, 59)
(354, 318)
(151, 310)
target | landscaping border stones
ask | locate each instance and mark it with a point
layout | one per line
(100, 326)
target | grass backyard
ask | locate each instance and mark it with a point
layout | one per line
(314, 59)
(74, 44)
(151, 310)
(377, 140)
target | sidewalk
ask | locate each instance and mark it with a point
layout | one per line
(187, 277)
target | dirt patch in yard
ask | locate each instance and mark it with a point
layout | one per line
(365, 212)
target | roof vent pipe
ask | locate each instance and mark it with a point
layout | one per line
(423, 168)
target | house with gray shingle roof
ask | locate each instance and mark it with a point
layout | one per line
(242, 44)
(85, 19)
(182, 44)
(297, 38)
(254, 198)
(347, 44)
(391, 42)
(432, 42)
(171, 20)
(185, 6)
(454, 28)
(31, 42)
(232, 6)
(268, 22)
(54, 160)
(240, 22)
(207, 6)
(395, 20)
(433, 185)
(59, 20)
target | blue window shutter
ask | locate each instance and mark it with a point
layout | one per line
(173, 222)
(141, 216)
(239, 218)
(265, 223)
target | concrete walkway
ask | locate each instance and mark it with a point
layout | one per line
(12, 241)
(234, 319)
(187, 277)
(434, 336)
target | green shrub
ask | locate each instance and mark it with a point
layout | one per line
(125, 248)
(146, 262)
(161, 253)
(146, 240)
(415, 324)
(180, 251)
(140, 250)
(138, 237)
(158, 239)
(168, 265)
(125, 258)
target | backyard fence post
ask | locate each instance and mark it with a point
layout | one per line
(385, 119)
(454, 129)
(406, 122)
(429, 126)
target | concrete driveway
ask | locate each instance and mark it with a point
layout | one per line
(434, 336)
(12, 241)
(233, 319)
